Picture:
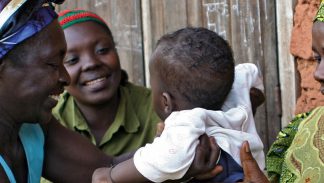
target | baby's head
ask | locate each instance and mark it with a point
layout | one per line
(192, 67)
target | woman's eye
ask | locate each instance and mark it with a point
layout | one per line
(54, 66)
(317, 59)
(71, 61)
(103, 50)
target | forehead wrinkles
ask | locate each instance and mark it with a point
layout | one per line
(52, 41)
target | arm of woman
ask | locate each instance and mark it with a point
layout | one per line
(69, 157)
(203, 166)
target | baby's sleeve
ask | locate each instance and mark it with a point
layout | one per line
(252, 75)
(170, 155)
(247, 75)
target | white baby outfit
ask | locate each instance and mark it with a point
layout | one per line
(171, 154)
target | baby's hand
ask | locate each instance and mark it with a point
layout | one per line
(257, 98)
(101, 175)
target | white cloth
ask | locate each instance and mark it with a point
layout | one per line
(171, 154)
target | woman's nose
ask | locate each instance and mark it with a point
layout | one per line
(64, 77)
(90, 62)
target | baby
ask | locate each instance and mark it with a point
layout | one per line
(192, 74)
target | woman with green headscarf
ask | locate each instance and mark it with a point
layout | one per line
(298, 153)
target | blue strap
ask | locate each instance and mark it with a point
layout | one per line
(7, 170)
(32, 138)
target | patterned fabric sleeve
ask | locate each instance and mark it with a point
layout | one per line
(277, 152)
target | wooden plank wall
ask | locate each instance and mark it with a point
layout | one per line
(287, 68)
(248, 25)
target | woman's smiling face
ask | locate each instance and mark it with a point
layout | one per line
(34, 75)
(92, 63)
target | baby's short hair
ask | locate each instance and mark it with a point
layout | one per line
(197, 64)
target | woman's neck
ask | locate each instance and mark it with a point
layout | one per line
(9, 131)
(100, 116)
(11, 148)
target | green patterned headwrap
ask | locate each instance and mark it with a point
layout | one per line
(320, 13)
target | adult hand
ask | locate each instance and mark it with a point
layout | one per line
(252, 172)
(101, 175)
(204, 163)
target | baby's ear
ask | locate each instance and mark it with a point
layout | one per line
(167, 103)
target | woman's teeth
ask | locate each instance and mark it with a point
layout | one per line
(95, 81)
(55, 97)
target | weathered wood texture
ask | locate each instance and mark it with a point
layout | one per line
(248, 25)
(250, 28)
(286, 61)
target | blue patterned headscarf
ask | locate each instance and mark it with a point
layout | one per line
(21, 19)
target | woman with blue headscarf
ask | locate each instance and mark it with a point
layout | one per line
(32, 47)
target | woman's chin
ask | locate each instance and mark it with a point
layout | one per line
(46, 113)
(46, 117)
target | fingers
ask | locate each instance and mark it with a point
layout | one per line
(203, 149)
(211, 161)
(214, 152)
(100, 175)
(205, 159)
(159, 128)
(209, 150)
(204, 141)
(252, 172)
(245, 153)
(210, 174)
(202, 152)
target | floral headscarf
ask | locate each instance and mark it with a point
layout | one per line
(21, 19)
